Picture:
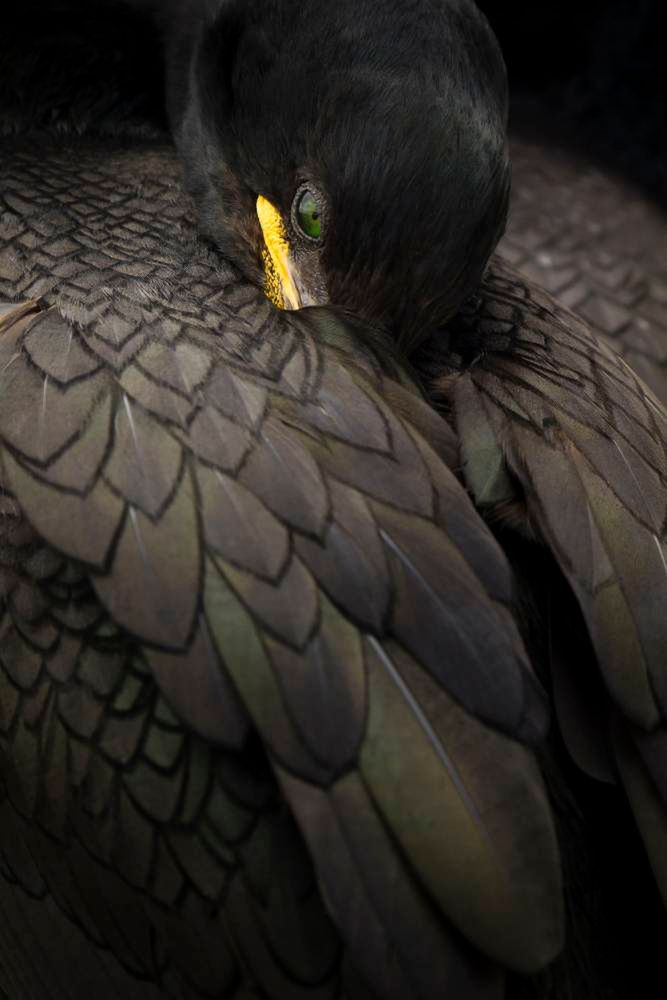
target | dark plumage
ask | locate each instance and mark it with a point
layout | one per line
(273, 719)
(394, 112)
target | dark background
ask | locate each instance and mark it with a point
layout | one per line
(591, 72)
(597, 71)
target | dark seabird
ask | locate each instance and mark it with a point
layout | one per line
(347, 153)
(309, 616)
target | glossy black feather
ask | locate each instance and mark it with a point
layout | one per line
(576, 455)
(134, 720)
(242, 584)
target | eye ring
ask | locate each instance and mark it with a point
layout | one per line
(308, 213)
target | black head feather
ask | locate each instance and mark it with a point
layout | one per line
(395, 110)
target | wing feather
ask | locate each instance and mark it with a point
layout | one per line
(270, 634)
(551, 422)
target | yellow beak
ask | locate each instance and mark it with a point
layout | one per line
(280, 286)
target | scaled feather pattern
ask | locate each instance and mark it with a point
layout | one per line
(268, 723)
(202, 491)
(551, 420)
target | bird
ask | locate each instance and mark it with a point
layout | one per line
(290, 598)
(344, 153)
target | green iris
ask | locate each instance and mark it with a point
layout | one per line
(309, 216)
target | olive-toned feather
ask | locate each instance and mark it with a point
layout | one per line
(268, 725)
(306, 673)
(262, 594)
(554, 424)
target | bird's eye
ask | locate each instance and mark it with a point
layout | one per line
(308, 213)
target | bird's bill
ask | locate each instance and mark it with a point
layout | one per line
(280, 285)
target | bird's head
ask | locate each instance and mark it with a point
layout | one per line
(353, 153)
